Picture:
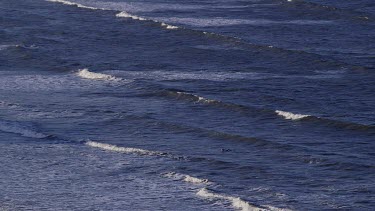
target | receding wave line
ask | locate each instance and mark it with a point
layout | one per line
(85, 73)
(13, 127)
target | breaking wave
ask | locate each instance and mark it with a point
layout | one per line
(289, 115)
(85, 73)
(122, 14)
(167, 26)
(181, 95)
(186, 178)
(134, 17)
(126, 150)
(326, 121)
(13, 127)
(75, 4)
(235, 201)
(127, 15)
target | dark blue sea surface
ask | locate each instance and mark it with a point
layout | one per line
(187, 105)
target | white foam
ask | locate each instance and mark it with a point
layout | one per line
(11, 127)
(85, 73)
(127, 150)
(167, 26)
(235, 201)
(186, 178)
(289, 115)
(75, 4)
(127, 15)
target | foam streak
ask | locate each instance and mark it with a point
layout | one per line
(126, 150)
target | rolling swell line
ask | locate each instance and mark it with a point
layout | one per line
(287, 149)
(204, 192)
(275, 51)
(185, 96)
(122, 14)
(236, 201)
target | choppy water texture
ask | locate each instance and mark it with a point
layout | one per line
(187, 105)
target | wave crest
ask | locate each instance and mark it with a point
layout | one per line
(85, 73)
(289, 115)
(167, 26)
(74, 4)
(127, 15)
(235, 201)
(126, 150)
(186, 178)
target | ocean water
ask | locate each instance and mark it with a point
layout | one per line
(187, 105)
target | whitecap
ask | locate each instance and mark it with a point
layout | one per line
(126, 150)
(289, 115)
(85, 73)
(127, 15)
(235, 201)
(75, 4)
(186, 178)
(167, 26)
